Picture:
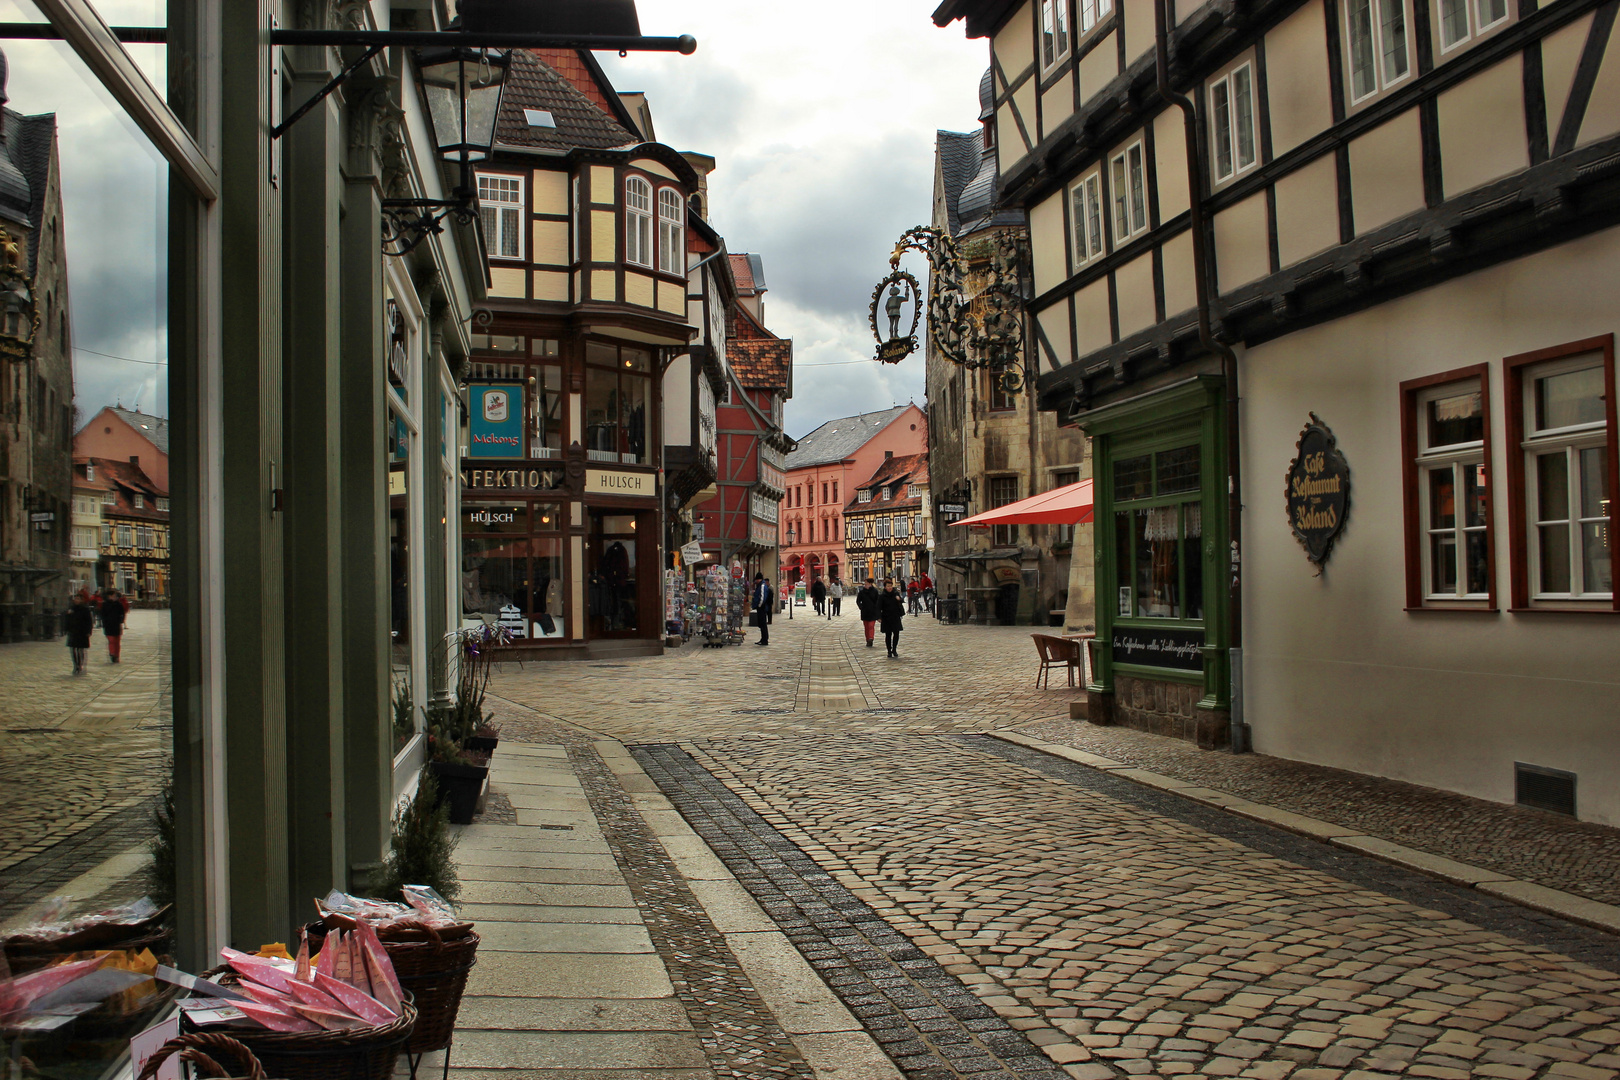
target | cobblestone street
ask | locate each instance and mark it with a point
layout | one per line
(80, 758)
(988, 910)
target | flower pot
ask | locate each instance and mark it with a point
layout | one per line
(459, 785)
(482, 743)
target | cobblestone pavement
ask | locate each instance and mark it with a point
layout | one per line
(80, 757)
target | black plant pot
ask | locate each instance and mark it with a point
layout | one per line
(484, 744)
(459, 785)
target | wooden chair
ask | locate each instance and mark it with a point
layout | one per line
(1056, 652)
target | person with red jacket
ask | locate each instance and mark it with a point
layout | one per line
(114, 610)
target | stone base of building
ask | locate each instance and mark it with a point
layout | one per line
(1162, 708)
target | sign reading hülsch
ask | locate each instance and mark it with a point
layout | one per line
(620, 482)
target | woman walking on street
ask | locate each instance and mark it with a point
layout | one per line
(81, 622)
(891, 610)
(866, 602)
(114, 609)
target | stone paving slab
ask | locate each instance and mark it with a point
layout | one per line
(509, 892)
(520, 912)
(554, 937)
(577, 1050)
(569, 975)
(571, 1014)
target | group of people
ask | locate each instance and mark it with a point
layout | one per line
(887, 608)
(111, 608)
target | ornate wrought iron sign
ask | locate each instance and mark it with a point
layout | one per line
(902, 289)
(1318, 491)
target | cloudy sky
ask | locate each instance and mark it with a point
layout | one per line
(821, 118)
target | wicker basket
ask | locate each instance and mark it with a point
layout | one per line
(366, 1053)
(202, 1050)
(24, 956)
(434, 970)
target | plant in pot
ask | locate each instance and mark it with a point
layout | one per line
(460, 773)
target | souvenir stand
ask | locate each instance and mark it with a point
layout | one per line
(737, 609)
(714, 601)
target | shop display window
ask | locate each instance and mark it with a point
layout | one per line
(1561, 420)
(512, 571)
(618, 416)
(1158, 532)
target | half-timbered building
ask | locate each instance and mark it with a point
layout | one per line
(1393, 220)
(887, 521)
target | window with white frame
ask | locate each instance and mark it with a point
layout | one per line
(1129, 179)
(109, 498)
(163, 504)
(1376, 43)
(913, 491)
(573, 219)
(1093, 12)
(883, 529)
(1565, 446)
(1231, 121)
(1085, 208)
(1462, 19)
(671, 231)
(857, 530)
(140, 501)
(638, 221)
(865, 495)
(902, 526)
(89, 472)
(500, 203)
(1453, 493)
(1054, 32)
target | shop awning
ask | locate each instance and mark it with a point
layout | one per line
(1067, 505)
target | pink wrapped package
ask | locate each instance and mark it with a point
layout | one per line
(17, 994)
(343, 958)
(275, 999)
(328, 1019)
(259, 969)
(305, 994)
(361, 1004)
(274, 1018)
(384, 983)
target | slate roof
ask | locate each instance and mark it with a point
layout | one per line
(761, 363)
(531, 83)
(25, 169)
(970, 177)
(155, 428)
(838, 439)
(958, 153)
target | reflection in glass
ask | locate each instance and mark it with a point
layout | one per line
(1442, 498)
(548, 412)
(1594, 481)
(1133, 477)
(1177, 470)
(1596, 574)
(1555, 558)
(1568, 399)
(1459, 418)
(1552, 486)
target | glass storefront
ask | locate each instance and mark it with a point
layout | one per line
(512, 572)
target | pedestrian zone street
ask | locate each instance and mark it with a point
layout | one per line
(974, 907)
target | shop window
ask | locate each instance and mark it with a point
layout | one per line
(1158, 534)
(1445, 439)
(1055, 38)
(618, 420)
(1561, 427)
(512, 571)
(500, 204)
(1375, 43)
(638, 221)
(671, 232)
(1128, 177)
(1085, 215)
(548, 399)
(1003, 490)
(1231, 107)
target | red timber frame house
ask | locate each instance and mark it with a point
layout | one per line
(741, 520)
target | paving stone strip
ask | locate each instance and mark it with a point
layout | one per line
(933, 1026)
(739, 1036)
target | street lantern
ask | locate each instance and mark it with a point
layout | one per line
(463, 88)
(791, 534)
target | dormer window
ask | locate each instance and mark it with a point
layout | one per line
(638, 221)
(140, 501)
(89, 472)
(865, 495)
(671, 232)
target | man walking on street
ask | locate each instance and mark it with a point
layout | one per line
(818, 596)
(761, 602)
(114, 609)
(866, 601)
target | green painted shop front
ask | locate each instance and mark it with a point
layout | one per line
(1161, 658)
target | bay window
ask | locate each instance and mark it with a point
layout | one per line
(1561, 429)
(1445, 438)
(618, 418)
(671, 232)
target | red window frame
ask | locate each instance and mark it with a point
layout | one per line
(1518, 538)
(1412, 492)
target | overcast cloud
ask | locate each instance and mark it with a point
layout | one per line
(821, 118)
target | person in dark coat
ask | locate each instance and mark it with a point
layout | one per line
(81, 622)
(114, 609)
(760, 600)
(818, 596)
(891, 612)
(866, 601)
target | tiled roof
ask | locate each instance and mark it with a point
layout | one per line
(741, 325)
(742, 268)
(570, 65)
(155, 428)
(81, 481)
(837, 439)
(958, 162)
(581, 122)
(907, 468)
(761, 363)
(127, 478)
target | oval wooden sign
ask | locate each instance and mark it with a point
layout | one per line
(1318, 491)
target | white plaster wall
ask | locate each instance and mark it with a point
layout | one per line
(1335, 671)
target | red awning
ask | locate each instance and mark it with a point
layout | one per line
(1067, 505)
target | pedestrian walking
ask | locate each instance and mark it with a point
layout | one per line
(867, 600)
(835, 597)
(891, 612)
(763, 593)
(81, 622)
(114, 610)
(818, 596)
(914, 596)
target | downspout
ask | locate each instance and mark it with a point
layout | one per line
(1239, 733)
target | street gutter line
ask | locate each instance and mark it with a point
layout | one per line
(1528, 894)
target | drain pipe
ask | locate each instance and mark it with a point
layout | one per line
(1239, 734)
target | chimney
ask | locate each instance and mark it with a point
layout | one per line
(135, 459)
(887, 454)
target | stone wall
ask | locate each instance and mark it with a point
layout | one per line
(1165, 708)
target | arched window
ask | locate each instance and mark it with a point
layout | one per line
(671, 232)
(638, 221)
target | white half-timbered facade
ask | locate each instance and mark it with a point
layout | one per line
(1400, 217)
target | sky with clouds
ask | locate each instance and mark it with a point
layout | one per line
(821, 118)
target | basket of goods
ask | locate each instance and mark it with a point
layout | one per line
(130, 927)
(432, 951)
(342, 1016)
(203, 1052)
